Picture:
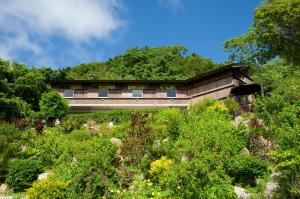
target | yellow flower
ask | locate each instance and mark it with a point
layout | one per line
(161, 164)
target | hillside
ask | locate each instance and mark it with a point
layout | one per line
(164, 63)
(212, 150)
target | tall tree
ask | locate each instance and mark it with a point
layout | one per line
(274, 33)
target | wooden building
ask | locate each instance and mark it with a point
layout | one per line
(95, 95)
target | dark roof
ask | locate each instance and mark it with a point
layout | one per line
(246, 89)
(202, 76)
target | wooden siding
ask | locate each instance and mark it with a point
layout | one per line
(188, 93)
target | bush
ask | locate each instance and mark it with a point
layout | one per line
(231, 104)
(135, 142)
(161, 164)
(9, 137)
(245, 168)
(53, 106)
(208, 104)
(69, 125)
(22, 173)
(48, 189)
(91, 172)
(115, 116)
(13, 108)
(80, 135)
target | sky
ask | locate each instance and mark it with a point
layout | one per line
(61, 33)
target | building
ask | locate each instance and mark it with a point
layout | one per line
(95, 95)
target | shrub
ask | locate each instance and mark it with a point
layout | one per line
(69, 125)
(231, 104)
(39, 126)
(53, 106)
(13, 108)
(161, 164)
(198, 178)
(91, 172)
(9, 137)
(203, 105)
(245, 168)
(20, 123)
(115, 116)
(48, 189)
(21, 174)
(80, 135)
(136, 140)
(218, 106)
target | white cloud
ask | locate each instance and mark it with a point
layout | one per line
(30, 25)
(172, 5)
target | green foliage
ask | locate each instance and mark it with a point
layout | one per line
(21, 174)
(90, 173)
(12, 108)
(69, 125)
(9, 136)
(288, 163)
(48, 189)
(198, 178)
(30, 87)
(231, 104)
(163, 62)
(115, 116)
(274, 32)
(135, 141)
(53, 106)
(209, 130)
(208, 104)
(245, 168)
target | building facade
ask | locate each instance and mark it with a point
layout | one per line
(95, 95)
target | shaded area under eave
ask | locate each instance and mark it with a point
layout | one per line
(246, 89)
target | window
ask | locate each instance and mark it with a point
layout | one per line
(137, 93)
(69, 93)
(103, 93)
(171, 93)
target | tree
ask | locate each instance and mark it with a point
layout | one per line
(53, 106)
(30, 87)
(163, 62)
(274, 32)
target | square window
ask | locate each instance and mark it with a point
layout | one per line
(137, 93)
(171, 93)
(69, 93)
(103, 93)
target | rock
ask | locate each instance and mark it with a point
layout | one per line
(184, 158)
(240, 121)
(43, 176)
(110, 125)
(6, 197)
(271, 188)
(4, 189)
(260, 146)
(273, 185)
(241, 193)
(74, 162)
(57, 123)
(23, 148)
(116, 141)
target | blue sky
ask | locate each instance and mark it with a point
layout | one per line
(61, 33)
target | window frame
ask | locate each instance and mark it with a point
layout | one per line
(73, 91)
(103, 90)
(132, 91)
(171, 90)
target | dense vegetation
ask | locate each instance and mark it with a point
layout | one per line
(169, 62)
(203, 152)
